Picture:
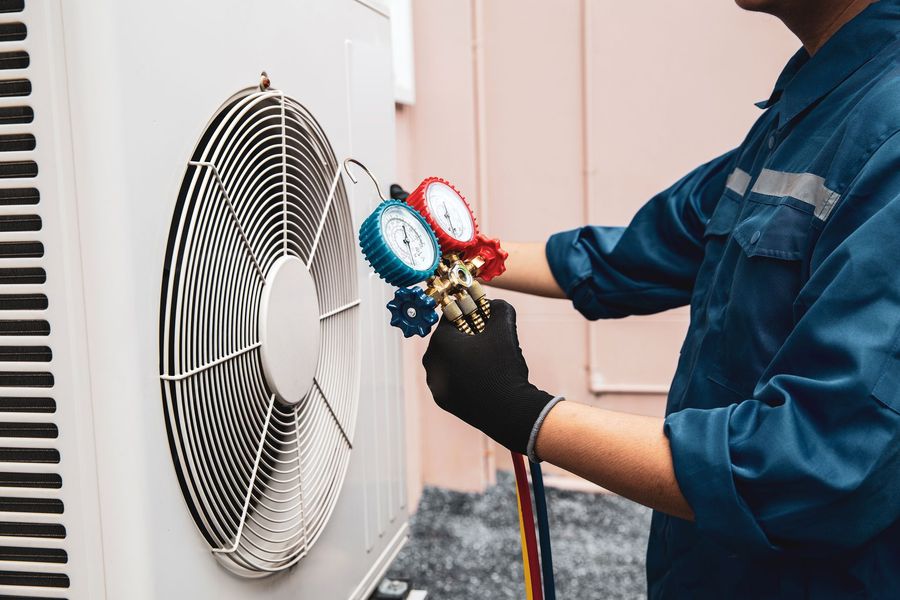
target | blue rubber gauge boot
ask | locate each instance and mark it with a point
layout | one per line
(399, 244)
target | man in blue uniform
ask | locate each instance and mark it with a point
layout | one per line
(776, 472)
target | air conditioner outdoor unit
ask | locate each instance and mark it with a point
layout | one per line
(200, 396)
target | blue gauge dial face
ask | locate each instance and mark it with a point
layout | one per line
(407, 237)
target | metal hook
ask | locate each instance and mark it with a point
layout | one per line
(368, 172)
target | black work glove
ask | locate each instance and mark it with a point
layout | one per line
(483, 378)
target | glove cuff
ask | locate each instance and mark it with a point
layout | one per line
(532, 439)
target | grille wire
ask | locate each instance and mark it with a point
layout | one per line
(260, 477)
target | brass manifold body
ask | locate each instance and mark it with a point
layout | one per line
(460, 296)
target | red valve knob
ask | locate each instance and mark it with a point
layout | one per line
(490, 252)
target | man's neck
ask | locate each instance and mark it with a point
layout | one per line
(815, 25)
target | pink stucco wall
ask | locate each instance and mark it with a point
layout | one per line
(549, 115)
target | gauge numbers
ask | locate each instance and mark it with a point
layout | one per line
(407, 238)
(449, 211)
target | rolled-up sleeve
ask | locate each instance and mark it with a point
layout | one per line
(811, 463)
(648, 266)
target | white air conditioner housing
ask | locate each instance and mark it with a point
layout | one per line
(106, 107)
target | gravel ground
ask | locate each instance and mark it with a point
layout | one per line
(466, 546)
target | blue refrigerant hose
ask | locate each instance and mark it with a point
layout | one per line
(540, 505)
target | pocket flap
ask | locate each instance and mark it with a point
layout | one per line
(723, 217)
(887, 388)
(777, 231)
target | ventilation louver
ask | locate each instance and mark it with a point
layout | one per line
(33, 558)
(259, 333)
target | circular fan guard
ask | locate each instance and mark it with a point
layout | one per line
(260, 474)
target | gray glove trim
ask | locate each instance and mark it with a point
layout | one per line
(532, 439)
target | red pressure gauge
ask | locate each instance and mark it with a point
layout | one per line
(447, 212)
(453, 222)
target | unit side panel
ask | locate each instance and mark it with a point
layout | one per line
(49, 514)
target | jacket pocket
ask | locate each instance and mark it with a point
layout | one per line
(783, 231)
(715, 237)
(887, 388)
(723, 217)
(727, 388)
(768, 270)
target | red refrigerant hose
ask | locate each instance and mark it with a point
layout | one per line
(526, 525)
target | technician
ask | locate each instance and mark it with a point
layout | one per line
(776, 472)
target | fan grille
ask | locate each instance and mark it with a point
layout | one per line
(260, 474)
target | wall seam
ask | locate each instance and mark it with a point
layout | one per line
(587, 165)
(480, 113)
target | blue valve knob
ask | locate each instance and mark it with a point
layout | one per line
(412, 310)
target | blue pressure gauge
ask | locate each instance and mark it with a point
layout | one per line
(399, 244)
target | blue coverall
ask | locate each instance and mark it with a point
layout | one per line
(784, 412)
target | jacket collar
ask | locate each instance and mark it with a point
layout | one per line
(806, 79)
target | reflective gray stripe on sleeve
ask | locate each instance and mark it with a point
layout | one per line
(738, 181)
(805, 187)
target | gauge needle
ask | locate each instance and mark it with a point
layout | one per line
(449, 220)
(406, 241)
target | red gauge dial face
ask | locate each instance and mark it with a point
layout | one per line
(449, 211)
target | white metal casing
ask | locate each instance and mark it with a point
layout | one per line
(121, 93)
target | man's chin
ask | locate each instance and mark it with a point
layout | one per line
(768, 6)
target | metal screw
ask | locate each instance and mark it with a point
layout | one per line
(411, 312)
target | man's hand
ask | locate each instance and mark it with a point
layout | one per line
(483, 378)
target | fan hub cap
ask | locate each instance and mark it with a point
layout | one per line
(289, 329)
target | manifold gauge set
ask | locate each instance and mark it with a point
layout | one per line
(430, 235)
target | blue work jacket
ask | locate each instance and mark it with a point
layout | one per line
(784, 412)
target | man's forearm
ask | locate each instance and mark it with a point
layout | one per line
(627, 454)
(527, 271)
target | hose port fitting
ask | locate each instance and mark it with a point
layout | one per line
(478, 295)
(470, 311)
